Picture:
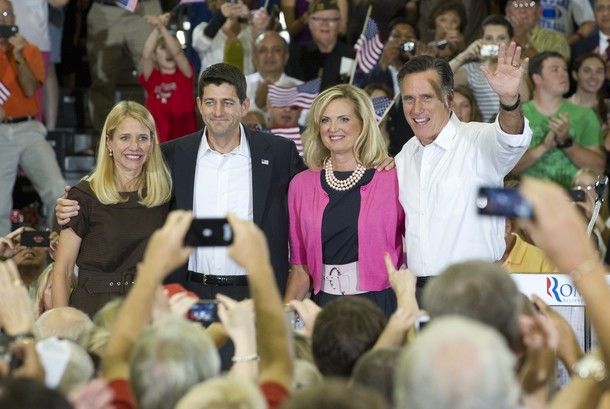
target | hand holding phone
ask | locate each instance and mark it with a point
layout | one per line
(203, 311)
(505, 202)
(209, 233)
(37, 238)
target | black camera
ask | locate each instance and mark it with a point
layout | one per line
(8, 31)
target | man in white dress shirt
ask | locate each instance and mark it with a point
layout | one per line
(442, 168)
(269, 57)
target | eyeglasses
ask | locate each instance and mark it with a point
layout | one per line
(519, 5)
(329, 20)
(586, 188)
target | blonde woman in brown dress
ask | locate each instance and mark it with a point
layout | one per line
(121, 203)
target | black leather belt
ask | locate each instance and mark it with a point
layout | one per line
(422, 280)
(210, 279)
(17, 119)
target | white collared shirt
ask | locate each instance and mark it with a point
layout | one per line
(438, 185)
(603, 43)
(223, 183)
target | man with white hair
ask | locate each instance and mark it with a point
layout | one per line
(456, 363)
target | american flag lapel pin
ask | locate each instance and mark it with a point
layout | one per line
(264, 161)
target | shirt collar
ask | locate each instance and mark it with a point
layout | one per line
(446, 136)
(243, 149)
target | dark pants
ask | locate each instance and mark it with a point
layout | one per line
(385, 299)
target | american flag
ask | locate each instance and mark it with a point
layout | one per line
(301, 95)
(381, 105)
(4, 93)
(127, 4)
(368, 47)
(293, 133)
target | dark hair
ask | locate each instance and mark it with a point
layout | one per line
(403, 20)
(536, 62)
(422, 63)
(602, 108)
(335, 394)
(24, 393)
(445, 6)
(378, 86)
(222, 73)
(344, 330)
(478, 290)
(467, 93)
(375, 369)
(498, 20)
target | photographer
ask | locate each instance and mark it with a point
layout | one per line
(466, 66)
(22, 138)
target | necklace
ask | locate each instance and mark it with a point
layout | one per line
(342, 185)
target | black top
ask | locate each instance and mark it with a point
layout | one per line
(307, 62)
(340, 220)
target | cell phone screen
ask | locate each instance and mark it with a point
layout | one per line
(506, 202)
(38, 238)
(209, 233)
(204, 312)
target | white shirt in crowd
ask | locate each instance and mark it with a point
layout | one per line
(438, 186)
(223, 183)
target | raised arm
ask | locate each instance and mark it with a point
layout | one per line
(147, 62)
(506, 82)
(249, 249)
(173, 46)
(25, 76)
(559, 230)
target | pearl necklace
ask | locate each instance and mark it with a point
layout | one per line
(342, 185)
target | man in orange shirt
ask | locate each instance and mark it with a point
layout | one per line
(22, 138)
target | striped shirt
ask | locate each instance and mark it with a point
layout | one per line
(487, 99)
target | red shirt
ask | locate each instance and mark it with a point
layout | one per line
(169, 97)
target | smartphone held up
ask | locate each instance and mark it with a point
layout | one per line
(209, 233)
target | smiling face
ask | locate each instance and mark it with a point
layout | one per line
(340, 127)
(590, 75)
(131, 146)
(424, 106)
(221, 110)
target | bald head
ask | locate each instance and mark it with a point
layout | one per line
(62, 322)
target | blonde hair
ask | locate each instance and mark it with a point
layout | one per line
(370, 148)
(154, 184)
(223, 392)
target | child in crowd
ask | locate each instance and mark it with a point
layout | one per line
(167, 77)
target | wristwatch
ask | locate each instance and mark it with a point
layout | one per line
(567, 142)
(590, 367)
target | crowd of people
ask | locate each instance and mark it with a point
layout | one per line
(346, 229)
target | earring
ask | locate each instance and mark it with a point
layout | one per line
(109, 153)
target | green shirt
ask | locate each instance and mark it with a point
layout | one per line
(555, 165)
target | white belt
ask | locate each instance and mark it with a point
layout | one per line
(341, 279)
